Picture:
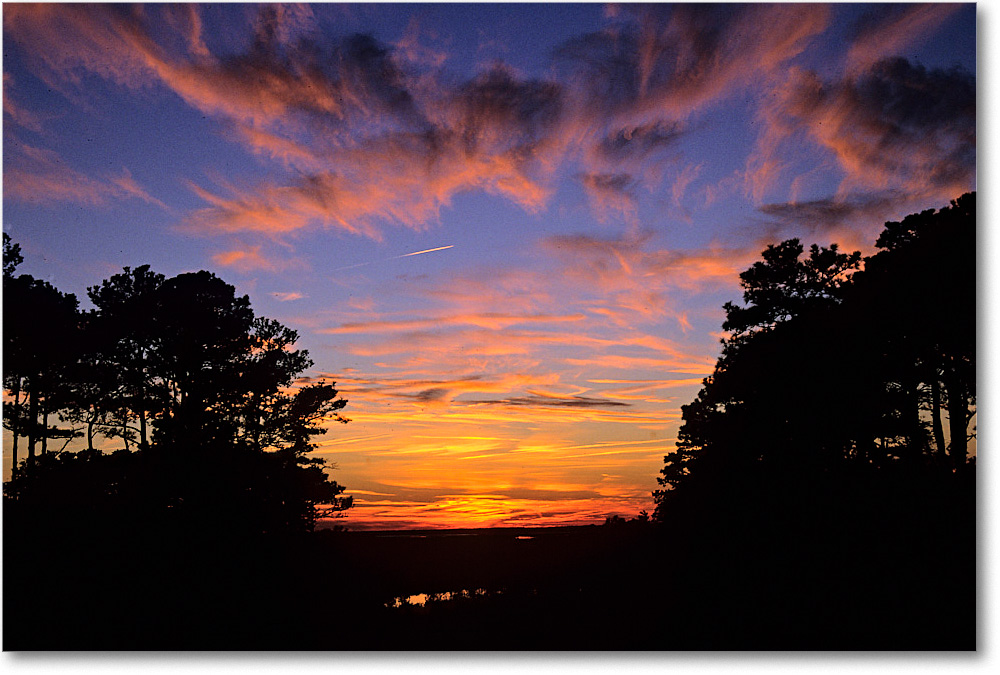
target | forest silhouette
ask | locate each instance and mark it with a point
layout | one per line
(821, 494)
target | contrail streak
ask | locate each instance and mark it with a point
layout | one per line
(430, 250)
(395, 257)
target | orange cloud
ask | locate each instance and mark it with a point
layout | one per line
(930, 137)
(902, 137)
(272, 210)
(486, 320)
(899, 27)
(398, 147)
(450, 480)
(67, 41)
(487, 511)
(611, 193)
(383, 138)
(674, 60)
(17, 113)
(633, 283)
(314, 110)
(41, 176)
(287, 297)
(495, 450)
(132, 188)
(251, 260)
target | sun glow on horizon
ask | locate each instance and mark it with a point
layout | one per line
(602, 178)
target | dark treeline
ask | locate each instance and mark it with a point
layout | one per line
(191, 384)
(823, 476)
(821, 496)
(831, 370)
(154, 427)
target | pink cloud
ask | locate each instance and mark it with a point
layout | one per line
(674, 60)
(17, 113)
(132, 188)
(412, 51)
(287, 297)
(633, 282)
(898, 135)
(41, 176)
(67, 41)
(611, 194)
(487, 511)
(685, 177)
(397, 148)
(250, 260)
(493, 321)
(902, 137)
(898, 28)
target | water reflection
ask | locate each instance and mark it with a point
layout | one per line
(421, 599)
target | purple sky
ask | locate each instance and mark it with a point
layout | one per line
(582, 185)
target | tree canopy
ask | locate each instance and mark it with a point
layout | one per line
(205, 398)
(838, 366)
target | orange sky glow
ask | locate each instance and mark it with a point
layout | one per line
(505, 231)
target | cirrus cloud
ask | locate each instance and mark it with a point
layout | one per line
(374, 136)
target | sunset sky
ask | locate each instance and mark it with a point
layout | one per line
(505, 231)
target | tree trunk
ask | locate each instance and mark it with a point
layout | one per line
(958, 421)
(143, 443)
(142, 418)
(255, 407)
(936, 417)
(90, 432)
(32, 425)
(15, 427)
(45, 428)
(916, 435)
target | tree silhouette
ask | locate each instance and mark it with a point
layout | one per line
(751, 413)
(821, 476)
(120, 337)
(39, 343)
(932, 255)
(831, 369)
(784, 286)
(11, 256)
(202, 332)
(205, 396)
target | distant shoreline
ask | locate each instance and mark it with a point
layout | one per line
(456, 532)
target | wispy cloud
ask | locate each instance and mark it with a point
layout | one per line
(484, 511)
(17, 113)
(572, 353)
(287, 297)
(486, 320)
(41, 176)
(632, 282)
(551, 400)
(130, 187)
(378, 134)
(901, 136)
(895, 125)
(886, 30)
(251, 259)
(677, 59)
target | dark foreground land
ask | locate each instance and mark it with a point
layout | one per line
(868, 577)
